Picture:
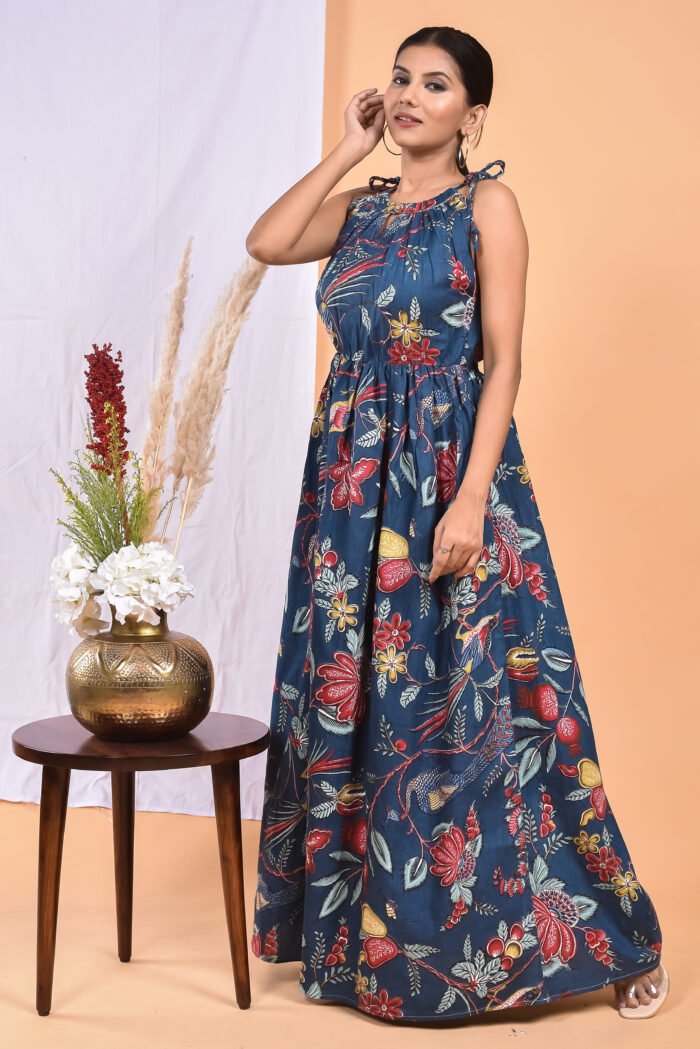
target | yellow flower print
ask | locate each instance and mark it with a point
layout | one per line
(361, 984)
(342, 611)
(392, 663)
(525, 473)
(626, 885)
(404, 329)
(586, 842)
(319, 418)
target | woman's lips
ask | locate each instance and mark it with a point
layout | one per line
(407, 121)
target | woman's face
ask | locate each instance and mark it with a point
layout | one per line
(425, 83)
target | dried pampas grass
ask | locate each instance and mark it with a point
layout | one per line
(195, 414)
(161, 398)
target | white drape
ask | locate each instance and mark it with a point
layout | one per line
(126, 127)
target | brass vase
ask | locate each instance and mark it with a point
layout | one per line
(138, 682)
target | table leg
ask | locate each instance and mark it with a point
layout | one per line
(123, 827)
(227, 803)
(52, 822)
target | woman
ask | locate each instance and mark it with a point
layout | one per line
(436, 840)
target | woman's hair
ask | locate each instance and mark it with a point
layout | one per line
(472, 60)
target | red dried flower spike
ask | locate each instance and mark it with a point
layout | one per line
(104, 384)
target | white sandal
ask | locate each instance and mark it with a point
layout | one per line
(644, 1010)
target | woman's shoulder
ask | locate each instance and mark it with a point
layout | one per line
(494, 196)
(494, 205)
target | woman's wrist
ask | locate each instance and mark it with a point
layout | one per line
(473, 493)
(350, 152)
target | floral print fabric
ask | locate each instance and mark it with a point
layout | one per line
(436, 838)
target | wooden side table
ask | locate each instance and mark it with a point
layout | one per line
(61, 744)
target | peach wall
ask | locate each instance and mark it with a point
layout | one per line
(592, 111)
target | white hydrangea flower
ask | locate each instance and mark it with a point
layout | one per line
(139, 580)
(70, 577)
(136, 580)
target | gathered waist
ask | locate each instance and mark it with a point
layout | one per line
(358, 363)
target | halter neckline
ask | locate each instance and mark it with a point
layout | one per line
(437, 198)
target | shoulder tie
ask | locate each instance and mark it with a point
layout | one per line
(377, 181)
(484, 172)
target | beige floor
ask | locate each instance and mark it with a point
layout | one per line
(177, 991)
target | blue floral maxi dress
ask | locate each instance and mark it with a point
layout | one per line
(436, 839)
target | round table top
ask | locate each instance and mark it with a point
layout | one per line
(64, 743)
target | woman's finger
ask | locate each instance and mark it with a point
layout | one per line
(439, 565)
(437, 538)
(467, 568)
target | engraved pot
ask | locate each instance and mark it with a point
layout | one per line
(139, 682)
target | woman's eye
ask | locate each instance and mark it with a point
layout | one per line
(433, 83)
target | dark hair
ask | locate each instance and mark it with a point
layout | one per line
(472, 60)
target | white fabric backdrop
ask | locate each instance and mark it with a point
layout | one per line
(126, 126)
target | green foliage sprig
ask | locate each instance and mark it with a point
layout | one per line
(108, 508)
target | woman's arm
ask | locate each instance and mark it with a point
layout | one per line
(502, 270)
(302, 226)
(502, 263)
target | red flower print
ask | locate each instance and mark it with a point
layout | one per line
(459, 278)
(414, 353)
(394, 633)
(452, 859)
(604, 862)
(315, 839)
(598, 943)
(399, 354)
(424, 353)
(555, 914)
(381, 1004)
(343, 689)
(349, 477)
(446, 460)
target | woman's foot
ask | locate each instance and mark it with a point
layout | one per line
(638, 990)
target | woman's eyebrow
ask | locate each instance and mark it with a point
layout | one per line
(436, 72)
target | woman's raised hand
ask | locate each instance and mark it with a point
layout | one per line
(364, 120)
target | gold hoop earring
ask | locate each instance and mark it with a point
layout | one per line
(385, 145)
(462, 157)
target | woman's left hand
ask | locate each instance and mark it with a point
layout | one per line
(461, 529)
